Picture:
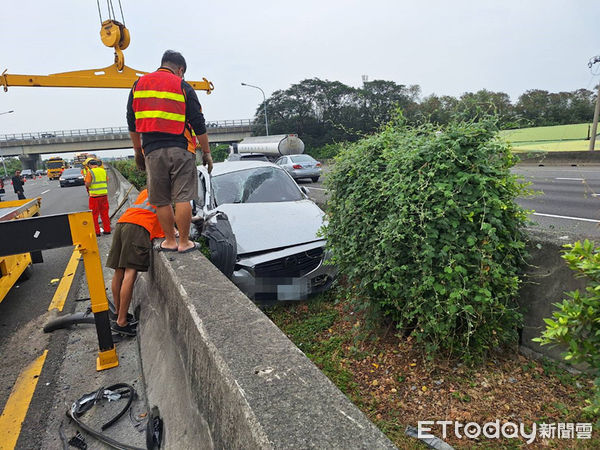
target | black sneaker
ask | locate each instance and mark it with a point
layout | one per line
(127, 330)
(114, 316)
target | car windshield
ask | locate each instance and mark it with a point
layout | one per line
(302, 158)
(72, 172)
(26, 172)
(55, 165)
(258, 185)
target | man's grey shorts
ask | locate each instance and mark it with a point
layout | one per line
(171, 176)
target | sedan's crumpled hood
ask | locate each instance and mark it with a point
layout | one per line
(265, 226)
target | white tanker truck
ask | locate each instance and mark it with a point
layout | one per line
(271, 146)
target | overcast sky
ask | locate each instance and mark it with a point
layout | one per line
(446, 47)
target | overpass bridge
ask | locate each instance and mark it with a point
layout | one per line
(30, 146)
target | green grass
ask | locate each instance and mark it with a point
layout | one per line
(556, 138)
(308, 330)
(544, 134)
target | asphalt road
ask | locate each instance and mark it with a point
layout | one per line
(565, 198)
(24, 310)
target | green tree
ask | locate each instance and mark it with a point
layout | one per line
(532, 105)
(11, 165)
(473, 105)
(220, 152)
(323, 112)
(438, 110)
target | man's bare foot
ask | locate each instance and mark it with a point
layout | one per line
(188, 248)
(163, 247)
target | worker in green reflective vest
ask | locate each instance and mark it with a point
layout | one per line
(97, 183)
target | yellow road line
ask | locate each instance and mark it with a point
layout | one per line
(60, 296)
(17, 405)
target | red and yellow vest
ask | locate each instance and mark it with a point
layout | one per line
(159, 103)
(142, 213)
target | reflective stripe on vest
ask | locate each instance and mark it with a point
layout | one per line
(99, 186)
(145, 205)
(159, 103)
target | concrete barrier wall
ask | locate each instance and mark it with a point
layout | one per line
(545, 282)
(559, 158)
(224, 376)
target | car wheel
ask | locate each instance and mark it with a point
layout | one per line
(315, 179)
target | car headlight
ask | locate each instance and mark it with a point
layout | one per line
(61, 179)
(80, 177)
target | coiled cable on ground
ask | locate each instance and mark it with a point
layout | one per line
(86, 402)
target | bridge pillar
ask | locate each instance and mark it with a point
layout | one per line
(32, 162)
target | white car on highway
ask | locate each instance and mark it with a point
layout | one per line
(263, 231)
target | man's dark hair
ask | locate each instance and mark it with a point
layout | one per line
(175, 58)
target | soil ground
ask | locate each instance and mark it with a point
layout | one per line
(394, 383)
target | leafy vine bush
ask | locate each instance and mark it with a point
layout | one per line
(129, 170)
(423, 224)
(576, 322)
(325, 152)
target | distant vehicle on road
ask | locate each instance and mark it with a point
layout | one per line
(27, 173)
(274, 226)
(47, 135)
(271, 146)
(55, 166)
(301, 166)
(71, 177)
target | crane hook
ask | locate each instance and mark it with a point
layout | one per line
(114, 34)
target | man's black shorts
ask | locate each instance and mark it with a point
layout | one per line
(130, 248)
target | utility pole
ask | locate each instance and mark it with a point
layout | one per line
(593, 61)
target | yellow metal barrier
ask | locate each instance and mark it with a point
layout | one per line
(62, 230)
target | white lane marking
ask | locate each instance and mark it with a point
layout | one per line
(571, 179)
(47, 190)
(316, 189)
(567, 217)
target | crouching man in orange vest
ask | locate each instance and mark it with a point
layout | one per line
(130, 254)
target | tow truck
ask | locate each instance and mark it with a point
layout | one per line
(15, 267)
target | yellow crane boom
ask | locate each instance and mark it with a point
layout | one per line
(118, 75)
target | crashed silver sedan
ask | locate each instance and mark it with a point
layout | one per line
(262, 231)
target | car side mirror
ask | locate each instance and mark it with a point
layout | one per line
(305, 190)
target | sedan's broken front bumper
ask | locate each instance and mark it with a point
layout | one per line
(290, 274)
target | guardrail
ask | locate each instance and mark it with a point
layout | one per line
(241, 123)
